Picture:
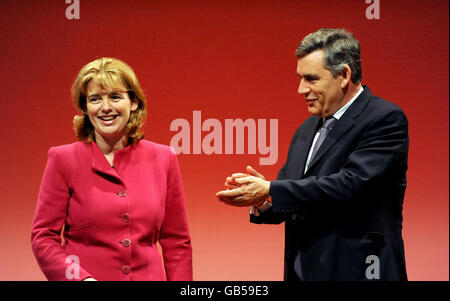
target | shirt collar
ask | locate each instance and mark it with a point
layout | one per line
(342, 110)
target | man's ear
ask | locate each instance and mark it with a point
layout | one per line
(346, 74)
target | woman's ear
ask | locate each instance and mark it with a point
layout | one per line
(134, 100)
(83, 111)
(134, 104)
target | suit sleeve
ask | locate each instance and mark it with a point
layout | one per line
(382, 145)
(51, 213)
(174, 237)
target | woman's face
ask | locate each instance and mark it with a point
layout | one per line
(108, 110)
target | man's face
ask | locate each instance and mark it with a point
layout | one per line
(324, 94)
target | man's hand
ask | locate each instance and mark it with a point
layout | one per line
(245, 190)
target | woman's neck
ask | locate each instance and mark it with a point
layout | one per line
(110, 145)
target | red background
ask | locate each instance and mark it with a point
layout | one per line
(228, 59)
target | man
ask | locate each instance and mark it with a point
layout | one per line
(340, 192)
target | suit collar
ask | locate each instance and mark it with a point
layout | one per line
(344, 108)
(340, 127)
(359, 104)
(100, 164)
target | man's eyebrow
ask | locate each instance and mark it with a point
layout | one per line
(308, 76)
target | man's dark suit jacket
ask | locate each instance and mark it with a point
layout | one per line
(348, 204)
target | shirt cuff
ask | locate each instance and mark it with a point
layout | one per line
(256, 211)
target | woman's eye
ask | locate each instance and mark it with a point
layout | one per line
(93, 100)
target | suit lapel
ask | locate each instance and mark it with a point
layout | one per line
(307, 138)
(343, 125)
(100, 164)
(339, 128)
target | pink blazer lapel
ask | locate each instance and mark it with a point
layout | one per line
(100, 164)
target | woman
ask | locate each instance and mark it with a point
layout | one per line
(105, 201)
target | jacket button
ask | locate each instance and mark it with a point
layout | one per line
(126, 242)
(125, 217)
(122, 193)
(126, 269)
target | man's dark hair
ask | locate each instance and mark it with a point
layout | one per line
(340, 47)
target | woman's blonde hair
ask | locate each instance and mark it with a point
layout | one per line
(113, 73)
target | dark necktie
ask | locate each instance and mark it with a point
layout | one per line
(323, 133)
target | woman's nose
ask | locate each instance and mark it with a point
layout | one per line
(106, 105)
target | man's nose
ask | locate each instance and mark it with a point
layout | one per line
(303, 88)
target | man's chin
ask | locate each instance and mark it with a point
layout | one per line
(314, 111)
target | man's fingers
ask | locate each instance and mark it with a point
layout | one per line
(241, 201)
(231, 186)
(232, 193)
(245, 180)
(230, 183)
(253, 172)
(238, 175)
(237, 202)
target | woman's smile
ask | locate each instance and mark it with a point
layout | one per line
(108, 119)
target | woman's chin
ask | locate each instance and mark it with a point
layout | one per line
(111, 134)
